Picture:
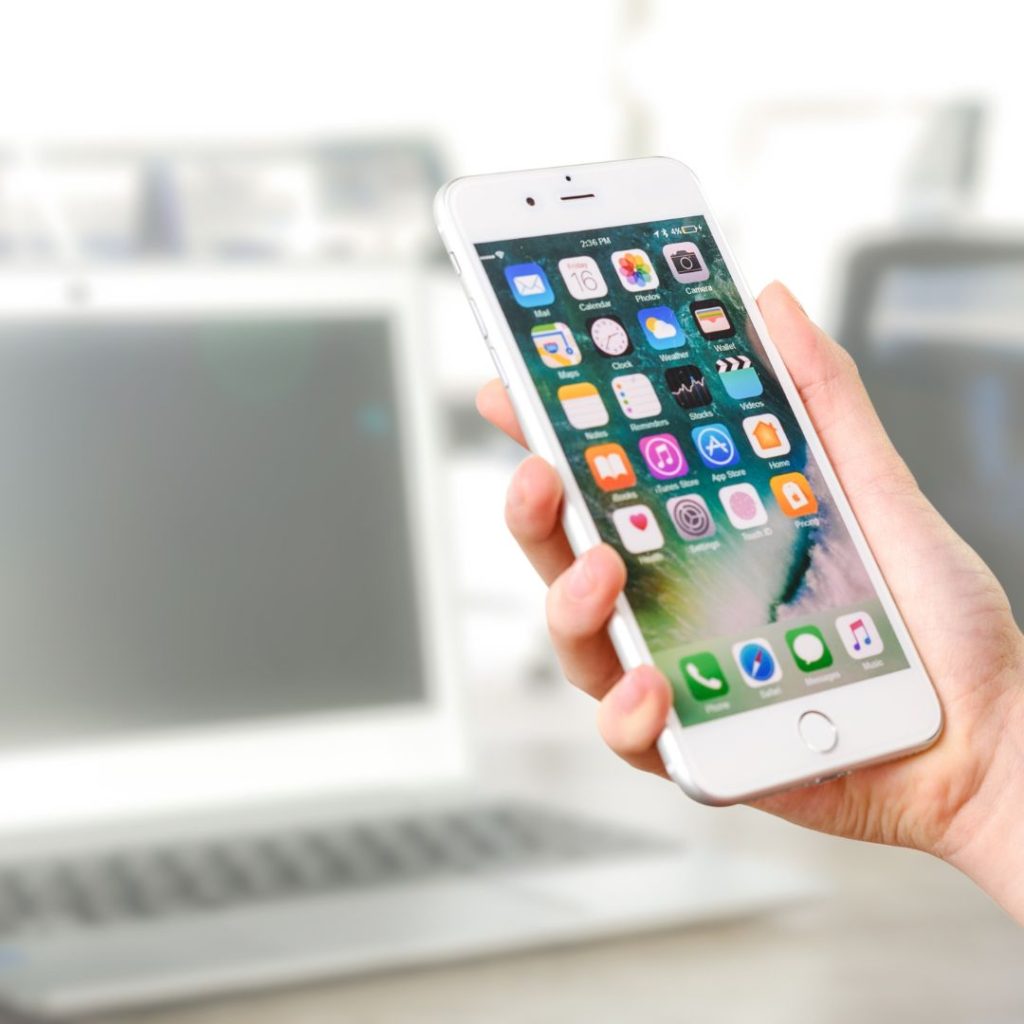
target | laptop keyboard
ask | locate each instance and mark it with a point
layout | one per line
(120, 887)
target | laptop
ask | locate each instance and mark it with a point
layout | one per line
(230, 753)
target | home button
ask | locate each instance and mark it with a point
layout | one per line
(818, 732)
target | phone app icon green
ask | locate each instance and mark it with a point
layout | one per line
(808, 647)
(703, 675)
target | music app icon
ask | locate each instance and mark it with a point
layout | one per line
(859, 635)
(664, 456)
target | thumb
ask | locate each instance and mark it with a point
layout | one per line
(826, 377)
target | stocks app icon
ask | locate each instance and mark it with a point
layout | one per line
(691, 517)
(688, 386)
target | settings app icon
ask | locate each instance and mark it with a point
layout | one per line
(691, 517)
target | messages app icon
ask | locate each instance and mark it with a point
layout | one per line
(530, 285)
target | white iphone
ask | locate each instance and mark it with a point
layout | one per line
(640, 367)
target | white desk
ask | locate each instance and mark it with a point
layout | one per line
(900, 938)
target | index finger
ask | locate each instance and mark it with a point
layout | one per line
(492, 402)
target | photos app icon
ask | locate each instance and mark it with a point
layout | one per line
(635, 270)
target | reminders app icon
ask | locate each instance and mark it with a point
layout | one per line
(529, 284)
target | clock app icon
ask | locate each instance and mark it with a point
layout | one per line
(608, 333)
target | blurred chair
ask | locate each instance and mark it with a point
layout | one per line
(934, 316)
(936, 324)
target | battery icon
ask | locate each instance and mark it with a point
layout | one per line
(690, 229)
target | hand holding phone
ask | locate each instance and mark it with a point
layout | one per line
(639, 367)
(959, 799)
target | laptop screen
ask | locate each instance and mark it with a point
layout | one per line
(201, 521)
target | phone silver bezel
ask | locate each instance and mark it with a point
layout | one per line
(878, 718)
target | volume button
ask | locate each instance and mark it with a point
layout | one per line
(455, 263)
(478, 318)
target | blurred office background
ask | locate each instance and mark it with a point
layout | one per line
(870, 157)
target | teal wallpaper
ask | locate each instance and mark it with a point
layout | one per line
(689, 457)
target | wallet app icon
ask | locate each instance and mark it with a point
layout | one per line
(530, 285)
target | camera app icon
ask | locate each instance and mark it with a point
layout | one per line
(686, 262)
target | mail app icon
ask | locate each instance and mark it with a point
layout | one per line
(529, 284)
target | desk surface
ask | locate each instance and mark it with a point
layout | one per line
(900, 937)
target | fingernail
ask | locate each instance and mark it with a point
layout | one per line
(629, 694)
(580, 580)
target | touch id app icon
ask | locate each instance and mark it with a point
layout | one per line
(743, 506)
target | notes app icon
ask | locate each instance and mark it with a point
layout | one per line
(582, 406)
(859, 635)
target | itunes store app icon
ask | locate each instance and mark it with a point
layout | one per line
(664, 456)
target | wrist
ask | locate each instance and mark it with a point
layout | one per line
(985, 839)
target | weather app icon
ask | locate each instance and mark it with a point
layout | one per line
(715, 445)
(661, 327)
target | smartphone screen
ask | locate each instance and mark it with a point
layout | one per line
(743, 577)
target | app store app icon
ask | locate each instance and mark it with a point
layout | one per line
(715, 445)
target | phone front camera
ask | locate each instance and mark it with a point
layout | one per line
(530, 201)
